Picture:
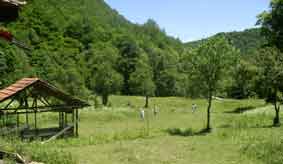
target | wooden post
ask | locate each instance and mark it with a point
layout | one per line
(18, 120)
(35, 117)
(77, 122)
(59, 117)
(66, 119)
(73, 121)
(35, 121)
(63, 120)
(27, 122)
(26, 105)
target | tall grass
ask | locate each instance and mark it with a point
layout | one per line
(117, 134)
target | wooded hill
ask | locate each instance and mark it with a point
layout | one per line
(85, 47)
(247, 41)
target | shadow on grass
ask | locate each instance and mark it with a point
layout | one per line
(240, 110)
(187, 132)
(225, 126)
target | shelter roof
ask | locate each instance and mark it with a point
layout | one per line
(39, 86)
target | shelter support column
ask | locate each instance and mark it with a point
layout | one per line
(66, 119)
(18, 120)
(77, 122)
(35, 122)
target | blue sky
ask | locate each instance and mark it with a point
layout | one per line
(193, 19)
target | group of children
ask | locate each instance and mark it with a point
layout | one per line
(142, 112)
(155, 111)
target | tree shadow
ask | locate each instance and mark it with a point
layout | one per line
(226, 126)
(244, 109)
(265, 126)
(187, 132)
(240, 110)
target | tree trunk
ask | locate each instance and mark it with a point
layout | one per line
(105, 99)
(146, 101)
(276, 121)
(208, 127)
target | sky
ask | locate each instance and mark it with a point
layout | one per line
(191, 20)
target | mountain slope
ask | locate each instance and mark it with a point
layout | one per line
(69, 37)
(247, 41)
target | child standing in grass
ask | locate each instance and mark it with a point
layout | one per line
(155, 111)
(142, 113)
(194, 108)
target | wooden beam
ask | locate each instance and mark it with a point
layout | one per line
(43, 107)
(12, 100)
(30, 112)
(59, 134)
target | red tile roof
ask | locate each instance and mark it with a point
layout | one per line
(15, 88)
(42, 87)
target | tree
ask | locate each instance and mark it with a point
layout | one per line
(210, 63)
(270, 63)
(104, 79)
(107, 81)
(141, 81)
(244, 79)
(3, 67)
(272, 23)
(129, 52)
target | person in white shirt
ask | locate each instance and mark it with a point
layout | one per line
(142, 114)
(194, 108)
(155, 111)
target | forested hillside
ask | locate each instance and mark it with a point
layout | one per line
(84, 46)
(247, 41)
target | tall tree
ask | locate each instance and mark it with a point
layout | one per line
(211, 62)
(272, 23)
(243, 80)
(270, 63)
(141, 81)
(107, 81)
(129, 52)
(104, 79)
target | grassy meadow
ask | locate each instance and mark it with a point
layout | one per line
(117, 135)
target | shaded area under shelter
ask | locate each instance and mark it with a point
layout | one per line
(23, 103)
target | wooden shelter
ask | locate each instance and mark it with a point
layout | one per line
(22, 103)
(9, 9)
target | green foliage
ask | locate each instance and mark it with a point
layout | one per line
(246, 41)
(270, 67)
(271, 22)
(244, 80)
(88, 47)
(141, 81)
(211, 63)
(270, 62)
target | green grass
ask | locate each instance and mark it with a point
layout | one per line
(117, 135)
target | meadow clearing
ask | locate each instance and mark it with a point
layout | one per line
(117, 135)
